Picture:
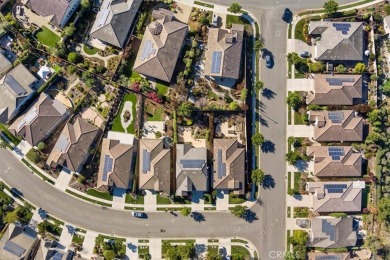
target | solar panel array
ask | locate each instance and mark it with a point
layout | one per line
(14, 86)
(336, 152)
(336, 116)
(335, 188)
(107, 167)
(216, 62)
(146, 161)
(221, 166)
(327, 257)
(338, 81)
(342, 27)
(14, 248)
(192, 164)
(147, 50)
(328, 229)
(31, 115)
(58, 256)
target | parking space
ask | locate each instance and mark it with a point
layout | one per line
(299, 46)
(222, 200)
(300, 85)
(300, 131)
(132, 248)
(197, 201)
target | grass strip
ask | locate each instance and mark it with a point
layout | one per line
(87, 199)
(37, 172)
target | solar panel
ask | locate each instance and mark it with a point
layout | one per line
(336, 116)
(328, 229)
(31, 115)
(146, 161)
(338, 81)
(336, 152)
(342, 27)
(14, 248)
(14, 86)
(58, 256)
(335, 186)
(192, 164)
(147, 50)
(216, 62)
(335, 158)
(327, 257)
(107, 167)
(335, 190)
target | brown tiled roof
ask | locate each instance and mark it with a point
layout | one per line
(347, 165)
(167, 44)
(230, 44)
(344, 200)
(39, 120)
(232, 162)
(348, 129)
(76, 138)
(349, 92)
(156, 176)
(46, 8)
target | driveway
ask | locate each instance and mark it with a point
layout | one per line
(299, 46)
(222, 200)
(300, 201)
(300, 131)
(300, 85)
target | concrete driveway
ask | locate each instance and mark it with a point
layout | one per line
(222, 200)
(299, 46)
(300, 201)
(300, 131)
(300, 85)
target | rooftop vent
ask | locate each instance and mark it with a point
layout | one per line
(155, 28)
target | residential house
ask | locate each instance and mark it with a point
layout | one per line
(72, 147)
(154, 166)
(191, 169)
(114, 21)
(5, 65)
(386, 25)
(337, 126)
(40, 120)
(330, 256)
(338, 89)
(328, 197)
(16, 88)
(19, 242)
(117, 161)
(223, 55)
(161, 46)
(56, 12)
(229, 166)
(53, 250)
(335, 161)
(328, 232)
(337, 41)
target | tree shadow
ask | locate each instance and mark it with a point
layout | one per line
(250, 216)
(269, 182)
(268, 147)
(198, 217)
(301, 165)
(268, 93)
(298, 196)
(263, 121)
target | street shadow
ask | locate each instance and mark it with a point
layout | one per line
(198, 217)
(250, 216)
(269, 182)
(301, 165)
(268, 147)
(268, 94)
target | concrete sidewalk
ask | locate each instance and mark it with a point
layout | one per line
(155, 248)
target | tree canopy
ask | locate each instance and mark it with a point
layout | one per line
(331, 7)
(185, 211)
(257, 139)
(294, 100)
(384, 210)
(293, 58)
(257, 176)
(239, 211)
(185, 109)
(235, 8)
(259, 85)
(360, 68)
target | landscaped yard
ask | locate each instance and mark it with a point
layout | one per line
(117, 123)
(99, 194)
(77, 239)
(299, 30)
(297, 181)
(161, 89)
(130, 199)
(234, 199)
(163, 200)
(154, 112)
(240, 250)
(230, 19)
(7, 133)
(90, 50)
(299, 119)
(129, 72)
(47, 37)
(300, 212)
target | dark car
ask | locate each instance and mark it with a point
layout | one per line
(16, 192)
(305, 54)
(268, 60)
(138, 214)
(287, 15)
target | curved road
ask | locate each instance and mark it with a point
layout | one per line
(268, 232)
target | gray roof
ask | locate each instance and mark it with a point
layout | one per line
(328, 256)
(191, 169)
(229, 43)
(39, 120)
(336, 89)
(113, 21)
(72, 147)
(229, 165)
(329, 232)
(330, 197)
(5, 64)
(339, 161)
(15, 87)
(154, 166)
(55, 9)
(338, 45)
(161, 46)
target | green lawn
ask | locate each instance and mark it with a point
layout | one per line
(212, 95)
(204, 4)
(297, 180)
(156, 115)
(212, 249)
(117, 125)
(90, 50)
(299, 30)
(230, 19)
(13, 139)
(47, 37)
(241, 251)
(99, 194)
(233, 199)
(289, 31)
(130, 199)
(340, 8)
(289, 115)
(300, 212)
(143, 250)
(129, 72)
(57, 68)
(289, 180)
(78, 239)
(181, 200)
(298, 118)
(162, 89)
(163, 200)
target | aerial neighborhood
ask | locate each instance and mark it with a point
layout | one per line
(125, 122)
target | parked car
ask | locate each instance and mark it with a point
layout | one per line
(221, 250)
(305, 54)
(287, 15)
(268, 60)
(138, 214)
(16, 192)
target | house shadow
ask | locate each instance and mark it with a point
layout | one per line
(268, 147)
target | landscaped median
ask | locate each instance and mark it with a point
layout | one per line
(88, 199)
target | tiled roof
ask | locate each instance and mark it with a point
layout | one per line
(56, 9)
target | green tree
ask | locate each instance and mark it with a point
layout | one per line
(213, 255)
(338, 215)
(374, 115)
(258, 176)
(109, 255)
(41, 146)
(85, 4)
(69, 30)
(374, 137)
(257, 139)
(294, 100)
(293, 58)
(259, 85)
(42, 228)
(386, 89)
(185, 109)
(244, 93)
(384, 210)
(235, 8)
(73, 57)
(185, 211)
(292, 157)
(331, 7)
(374, 244)
(194, 43)
(290, 191)
(233, 105)
(360, 68)
(387, 9)
(341, 68)
(374, 77)
(258, 45)
(33, 155)
(158, 134)
(316, 67)
(300, 237)
(11, 217)
(239, 211)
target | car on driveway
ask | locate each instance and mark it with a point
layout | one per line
(138, 214)
(287, 15)
(221, 251)
(268, 60)
(305, 54)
